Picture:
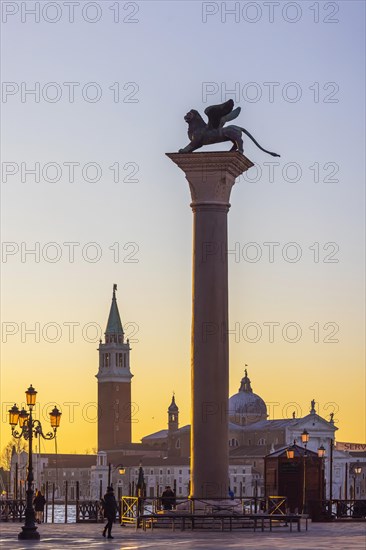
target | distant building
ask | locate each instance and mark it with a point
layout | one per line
(164, 455)
(114, 384)
(54, 470)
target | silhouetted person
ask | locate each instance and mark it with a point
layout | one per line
(39, 502)
(168, 498)
(110, 508)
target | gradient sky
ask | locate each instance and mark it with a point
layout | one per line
(169, 54)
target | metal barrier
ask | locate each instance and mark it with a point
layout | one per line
(130, 510)
(89, 511)
(12, 510)
(276, 505)
(342, 509)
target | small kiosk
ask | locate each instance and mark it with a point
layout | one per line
(298, 474)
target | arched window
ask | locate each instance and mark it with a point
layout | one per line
(177, 444)
(262, 441)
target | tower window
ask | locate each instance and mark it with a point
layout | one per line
(120, 358)
(107, 359)
(124, 361)
(177, 444)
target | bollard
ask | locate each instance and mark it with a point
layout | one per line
(66, 496)
(46, 495)
(53, 503)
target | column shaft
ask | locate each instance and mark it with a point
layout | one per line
(210, 353)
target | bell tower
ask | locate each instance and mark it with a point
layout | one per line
(114, 384)
(173, 415)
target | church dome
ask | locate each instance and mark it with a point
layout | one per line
(245, 406)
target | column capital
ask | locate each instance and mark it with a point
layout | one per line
(211, 175)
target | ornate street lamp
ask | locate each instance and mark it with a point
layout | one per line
(356, 472)
(321, 451)
(30, 428)
(121, 470)
(290, 451)
(305, 439)
(321, 455)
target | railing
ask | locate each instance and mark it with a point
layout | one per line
(89, 511)
(131, 508)
(342, 509)
(134, 507)
(12, 510)
(337, 509)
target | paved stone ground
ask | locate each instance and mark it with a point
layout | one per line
(320, 536)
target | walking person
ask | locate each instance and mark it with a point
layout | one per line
(168, 498)
(110, 509)
(39, 504)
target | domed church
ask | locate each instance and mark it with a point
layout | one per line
(246, 407)
(250, 431)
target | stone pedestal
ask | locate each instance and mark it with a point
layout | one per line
(210, 177)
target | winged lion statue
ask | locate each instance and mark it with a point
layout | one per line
(215, 130)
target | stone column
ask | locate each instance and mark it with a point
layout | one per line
(210, 177)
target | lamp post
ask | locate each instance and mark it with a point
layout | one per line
(305, 439)
(290, 451)
(356, 472)
(29, 428)
(321, 455)
(121, 471)
(331, 446)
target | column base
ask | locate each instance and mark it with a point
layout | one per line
(29, 533)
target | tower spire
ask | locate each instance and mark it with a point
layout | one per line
(114, 331)
(173, 415)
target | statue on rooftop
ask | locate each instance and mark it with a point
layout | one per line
(201, 133)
